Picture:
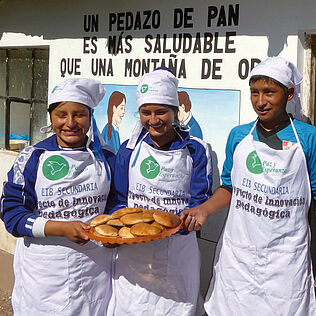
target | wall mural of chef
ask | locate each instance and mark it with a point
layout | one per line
(215, 113)
(115, 113)
(185, 115)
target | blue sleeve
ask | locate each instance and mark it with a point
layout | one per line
(114, 141)
(201, 180)
(195, 129)
(112, 197)
(19, 198)
(307, 137)
(310, 143)
(105, 133)
(121, 181)
(236, 135)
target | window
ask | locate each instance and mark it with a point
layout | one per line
(23, 96)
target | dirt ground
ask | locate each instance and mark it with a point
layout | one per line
(6, 283)
(5, 304)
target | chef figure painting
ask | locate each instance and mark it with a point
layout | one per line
(185, 115)
(115, 113)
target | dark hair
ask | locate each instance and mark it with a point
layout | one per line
(52, 107)
(164, 68)
(176, 111)
(256, 78)
(185, 100)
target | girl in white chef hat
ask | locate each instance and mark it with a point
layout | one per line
(54, 188)
(160, 167)
(262, 264)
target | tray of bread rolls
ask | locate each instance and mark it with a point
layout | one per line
(133, 225)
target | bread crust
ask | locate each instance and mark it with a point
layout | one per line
(100, 219)
(158, 225)
(131, 219)
(106, 230)
(115, 222)
(145, 229)
(166, 219)
(123, 211)
(134, 223)
(125, 232)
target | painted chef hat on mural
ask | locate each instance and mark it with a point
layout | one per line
(283, 71)
(159, 86)
(88, 92)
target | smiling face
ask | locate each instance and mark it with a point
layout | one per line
(118, 112)
(70, 122)
(269, 102)
(158, 119)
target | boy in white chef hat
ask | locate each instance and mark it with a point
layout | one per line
(269, 167)
(283, 72)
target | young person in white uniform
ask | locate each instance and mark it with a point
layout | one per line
(160, 167)
(263, 263)
(53, 189)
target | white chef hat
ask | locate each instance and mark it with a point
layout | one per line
(279, 69)
(85, 91)
(283, 71)
(88, 92)
(158, 87)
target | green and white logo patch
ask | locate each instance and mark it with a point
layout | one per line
(56, 88)
(144, 88)
(253, 163)
(55, 167)
(149, 168)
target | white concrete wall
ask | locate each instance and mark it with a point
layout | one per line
(7, 241)
(257, 34)
(264, 28)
